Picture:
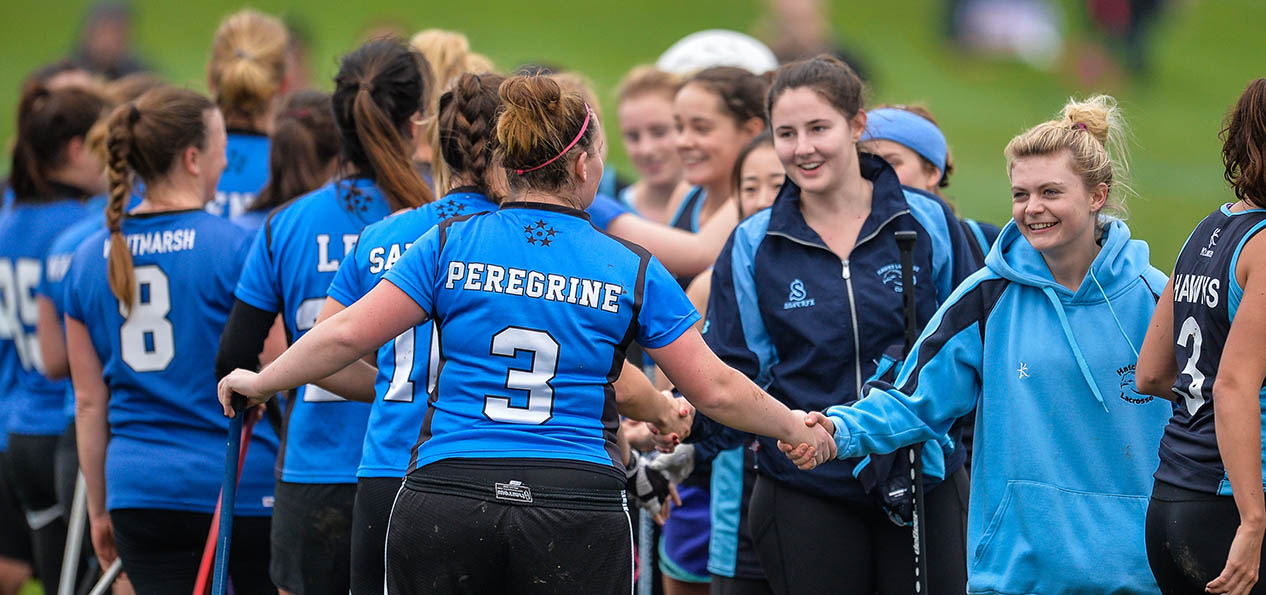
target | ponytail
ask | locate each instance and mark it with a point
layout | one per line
(47, 121)
(388, 154)
(119, 140)
(379, 88)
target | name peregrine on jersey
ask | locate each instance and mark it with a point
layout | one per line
(383, 258)
(478, 276)
(1197, 289)
(156, 242)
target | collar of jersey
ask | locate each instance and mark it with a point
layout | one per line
(1226, 210)
(245, 132)
(545, 206)
(887, 200)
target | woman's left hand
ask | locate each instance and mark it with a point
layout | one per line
(1242, 563)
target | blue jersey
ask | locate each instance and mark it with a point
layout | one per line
(687, 216)
(407, 365)
(167, 434)
(244, 175)
(535, 308)
(1206, 295)
(57, 262)
(294, 258)
(26, 232)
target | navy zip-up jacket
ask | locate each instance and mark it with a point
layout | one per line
(809, 327)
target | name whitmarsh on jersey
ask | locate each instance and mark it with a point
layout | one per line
(478, 276)
(156, 242)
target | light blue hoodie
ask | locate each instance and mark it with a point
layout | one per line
(1064, 446)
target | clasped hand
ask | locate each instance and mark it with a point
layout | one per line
(814, 445)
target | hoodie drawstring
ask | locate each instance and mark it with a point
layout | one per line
(1114, 315)
(1068, 335)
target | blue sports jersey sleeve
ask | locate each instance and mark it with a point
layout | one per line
(257, 284)
(666, 311)
(349, 282)
(415, 272)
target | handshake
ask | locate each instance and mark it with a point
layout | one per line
(806, 438)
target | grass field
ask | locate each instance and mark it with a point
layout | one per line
(1205, 51)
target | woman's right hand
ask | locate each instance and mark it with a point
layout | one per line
(1242, 563)
(103, 539)
(241, 382)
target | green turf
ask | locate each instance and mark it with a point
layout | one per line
(1205, 52)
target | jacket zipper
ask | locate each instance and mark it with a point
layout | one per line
(852, 310)
(848, 285)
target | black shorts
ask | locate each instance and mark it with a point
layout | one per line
(312, 537)
(35, 482)
(1189, 535)
(374, 497)
(461, 533)
(811, 544)
(15, 535)
(161, 550)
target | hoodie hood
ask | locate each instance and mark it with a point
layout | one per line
(1120, 261)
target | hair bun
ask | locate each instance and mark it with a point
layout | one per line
(1095, 115)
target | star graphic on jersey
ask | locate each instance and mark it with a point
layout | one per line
(451, 209)
(539, 232)
(1023, 370)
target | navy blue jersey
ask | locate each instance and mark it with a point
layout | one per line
(687, 215)
(26, 232)
(57, 262)
(244, 175)
(167, 433)
(407, 365)
(1206, 294)
(535, 308)
(292, 262)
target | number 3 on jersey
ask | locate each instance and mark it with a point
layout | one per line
(1193, 394)
(146, 340)
(536, 381)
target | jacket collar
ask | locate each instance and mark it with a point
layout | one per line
(887, 201)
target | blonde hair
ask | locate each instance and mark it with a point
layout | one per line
(646, 79)
(248, 63)
(448, 53)
(1093, 132)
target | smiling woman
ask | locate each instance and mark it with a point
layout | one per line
(1061, 271)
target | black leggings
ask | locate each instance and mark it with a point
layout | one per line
(1189, 535)
(161, 550)
(370, 513)
(31, 462)
(809, 544)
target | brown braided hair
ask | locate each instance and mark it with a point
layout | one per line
(467, 117)
(145, 137)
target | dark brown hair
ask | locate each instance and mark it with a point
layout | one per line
(146, 136)
(1244, 145)
(467, 116)
(537, 122)
(304, 142)
(47, 121)
(736, 177)
(742, 93)
(378, 89)
(833, 80)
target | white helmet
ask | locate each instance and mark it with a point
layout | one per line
(716, 47)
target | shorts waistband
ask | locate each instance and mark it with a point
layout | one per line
(515, 492)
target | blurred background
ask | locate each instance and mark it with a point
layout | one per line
(987, 69)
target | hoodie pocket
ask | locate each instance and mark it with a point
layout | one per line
(1047, 539)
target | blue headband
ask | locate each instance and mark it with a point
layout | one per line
(910, 130)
